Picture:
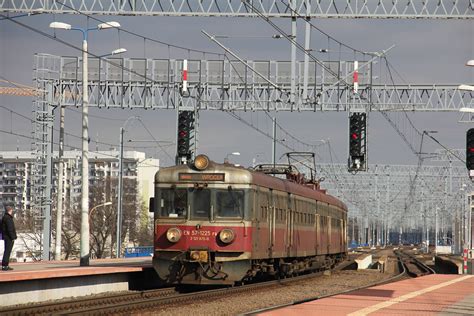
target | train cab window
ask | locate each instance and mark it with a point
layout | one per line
(230, 203)
(173, 202)
(201, 203)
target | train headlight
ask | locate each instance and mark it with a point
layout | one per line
(227, 236)
(173, 234)
(201, 162)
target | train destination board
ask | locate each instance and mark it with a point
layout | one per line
(201, 176)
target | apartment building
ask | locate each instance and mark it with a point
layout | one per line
(16, 169)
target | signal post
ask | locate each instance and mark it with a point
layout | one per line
(468, 251)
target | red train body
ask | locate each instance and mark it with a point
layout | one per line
(221, 224)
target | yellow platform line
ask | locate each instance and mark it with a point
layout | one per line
(395, 300)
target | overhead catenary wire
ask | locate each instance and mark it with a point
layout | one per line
(124, 68)
(268, 114)
(294, 12)
(80, 137)
(293, 41)
(146, 38)
(108, 61)
(70, 146)
(390, 67)
(77, 48)
(95, 115)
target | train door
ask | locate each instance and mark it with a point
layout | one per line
(271, 223)
(289, 226)
(329, 225)
(342, 234)
(262, 240)
(317, 231)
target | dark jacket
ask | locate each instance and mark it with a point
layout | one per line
(8, 227)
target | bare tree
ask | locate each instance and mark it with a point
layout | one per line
(144, 235)
(103, 220)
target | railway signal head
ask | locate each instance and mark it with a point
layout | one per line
(470, 149)
(357, 140)
(185, 129)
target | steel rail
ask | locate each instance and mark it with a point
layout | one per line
(314, 298)
(142, 304)
(418, 263)
(77, 303)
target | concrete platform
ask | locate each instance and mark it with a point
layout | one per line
(429, 295)
(41, 281)
(451, 263)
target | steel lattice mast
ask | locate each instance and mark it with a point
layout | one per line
(381, 197)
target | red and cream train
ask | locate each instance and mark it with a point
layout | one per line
(221, 224)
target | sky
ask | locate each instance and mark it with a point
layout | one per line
(425, 52)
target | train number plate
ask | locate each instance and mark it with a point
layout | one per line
(201, 176)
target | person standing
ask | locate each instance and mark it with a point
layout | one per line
(9, 236)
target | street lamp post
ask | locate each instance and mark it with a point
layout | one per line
(85, 251)
(57, 252)
(466, 87)
(97, 206)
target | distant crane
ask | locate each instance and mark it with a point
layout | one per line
(20, 92)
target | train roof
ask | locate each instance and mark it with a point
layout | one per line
(240, 175)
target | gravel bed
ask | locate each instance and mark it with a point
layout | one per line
(245, 302)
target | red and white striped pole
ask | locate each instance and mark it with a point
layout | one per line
(465, 261)
(356, 77)
(185, 76)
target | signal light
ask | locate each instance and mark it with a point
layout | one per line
(470, 149)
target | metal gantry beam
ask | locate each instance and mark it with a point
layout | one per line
(394, 9)
(230, 86)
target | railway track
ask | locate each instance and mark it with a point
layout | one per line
(130, 302)
(394, 278)
(414, 267)
(68, 306)
(134, 302)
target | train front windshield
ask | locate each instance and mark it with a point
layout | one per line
(226, 204)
